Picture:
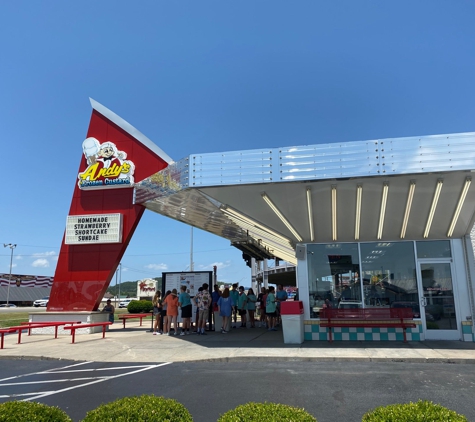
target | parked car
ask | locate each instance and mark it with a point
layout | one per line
(125, 302)
(41, 302)
(10, 305)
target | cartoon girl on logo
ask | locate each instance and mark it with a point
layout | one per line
(104, 161)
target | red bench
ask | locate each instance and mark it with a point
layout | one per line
(30, 325)
(125, 317)
(73, 328)
(368, 317)
(4, 331)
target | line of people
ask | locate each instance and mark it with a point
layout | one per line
(228, 304)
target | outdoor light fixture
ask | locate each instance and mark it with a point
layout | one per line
(438, 188)
(410, 197)
(281, 216)
(11, 246)
(359, 198)
(463, 195)
(382, 211)
(233, 213)
(310, 213)
(334, 227)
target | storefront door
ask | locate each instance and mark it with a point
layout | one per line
(437, 298)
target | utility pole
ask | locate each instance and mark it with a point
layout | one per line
(11, 246)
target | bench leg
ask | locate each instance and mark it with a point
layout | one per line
(404, 333)
(123, 322)
(19, 336)
(330, 338)
(141, 321)
(104, 331)
(2, 340)
(73, 335)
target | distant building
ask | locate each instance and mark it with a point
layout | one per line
(24, 289)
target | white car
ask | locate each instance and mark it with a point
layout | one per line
(124, 303)
(41, 302)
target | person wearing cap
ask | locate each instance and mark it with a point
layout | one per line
(109, 308)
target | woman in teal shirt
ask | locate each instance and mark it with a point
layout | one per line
(184, 302)
(242, 306)
(270, 309)
(251, 306)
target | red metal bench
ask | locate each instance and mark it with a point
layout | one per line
(125, 317)
(30, 325)
(73, 328)
(4, 331)
(368, 317)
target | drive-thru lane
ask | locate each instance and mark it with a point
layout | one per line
(328, 390)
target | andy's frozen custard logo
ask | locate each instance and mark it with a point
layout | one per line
(107, 167)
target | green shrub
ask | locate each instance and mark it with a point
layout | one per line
(432, 325)
(140, 306)
(266, 412)
(27, 411)
(422, 411)
(145, 408)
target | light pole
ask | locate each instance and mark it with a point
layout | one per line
(11, 246)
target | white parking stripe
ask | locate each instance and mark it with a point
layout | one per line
(50, 381)
(49, 370)
(49, 393)
(94, 369)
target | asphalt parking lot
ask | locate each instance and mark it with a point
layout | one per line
(328, 390)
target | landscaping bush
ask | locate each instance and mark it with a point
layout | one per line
(27, 411)
(432, 325)
(422, 411)
(140, 306)
(266, 412)
(145, 408)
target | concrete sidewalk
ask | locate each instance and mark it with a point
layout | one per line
(137, 344)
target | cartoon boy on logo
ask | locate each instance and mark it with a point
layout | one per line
(107, 166)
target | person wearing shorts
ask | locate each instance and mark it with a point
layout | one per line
(234, 294)
(270, 309)
(203, 301)
(184, 302)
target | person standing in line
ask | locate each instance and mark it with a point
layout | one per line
(242, 306)
(262, 307)
(164, 312)
(184, 302)
(225, 308)
(251, 306)
(270, 309)
(157, 312)
(204, 302)
(172, 311)
(197, 313)
(280, 296)
(234, 294)
(214, 306)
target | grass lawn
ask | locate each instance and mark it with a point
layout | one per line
(9, 319)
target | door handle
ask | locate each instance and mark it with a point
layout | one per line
(424, 301)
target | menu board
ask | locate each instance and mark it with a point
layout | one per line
(192, 280)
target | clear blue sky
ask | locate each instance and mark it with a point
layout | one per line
(209, 76)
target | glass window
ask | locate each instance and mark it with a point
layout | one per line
(333, 274)
(389, 275)
(434, 249)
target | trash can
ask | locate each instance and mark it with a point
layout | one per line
(292, 321)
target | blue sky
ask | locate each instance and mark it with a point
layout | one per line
(209, 76)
